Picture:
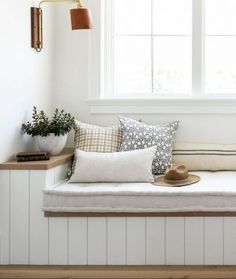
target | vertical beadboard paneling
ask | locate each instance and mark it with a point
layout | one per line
(77, 250)
(4, 215)
(175, 240)
(97, 241)
(230, 241)
(136, 241)
(155, 241)
(116, 241)
(58, 239)
(19, 217)
(27, 237)
(38, 223)
(61, 172)
(194, 241)
(214, 240)
(50, 177)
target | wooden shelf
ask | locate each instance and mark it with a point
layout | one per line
(64, 157)
(142, 214)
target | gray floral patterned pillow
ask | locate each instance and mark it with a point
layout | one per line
(136, 135)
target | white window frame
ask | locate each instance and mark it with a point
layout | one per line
(99, 66)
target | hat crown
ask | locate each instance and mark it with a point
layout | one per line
(176, 172)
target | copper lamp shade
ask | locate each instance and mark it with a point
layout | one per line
(81, 19)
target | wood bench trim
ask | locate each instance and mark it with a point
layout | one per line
(141, 214)
(117, 272)
(64, 157)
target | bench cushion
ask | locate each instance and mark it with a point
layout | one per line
(215, 192)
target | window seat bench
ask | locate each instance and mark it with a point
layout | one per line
(27, 237)
(214, 195)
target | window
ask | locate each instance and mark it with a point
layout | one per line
(169, 48)
(220, 46)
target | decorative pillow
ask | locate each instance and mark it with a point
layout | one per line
(94, 138)
(129, 166)
(136, 135)
(207, 157)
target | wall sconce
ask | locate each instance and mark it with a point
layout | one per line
(80, 19)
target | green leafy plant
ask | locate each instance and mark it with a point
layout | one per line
(61, 123)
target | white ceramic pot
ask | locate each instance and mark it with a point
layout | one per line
(52, 144)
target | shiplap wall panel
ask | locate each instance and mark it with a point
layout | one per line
(38, 223)
(214, 234)
(116, 241)
(97, 241)
(230, 241)
(175, 241)
(58, 240)
(155, 241)
(194, 241)
(26, 236)
(136, 241)
(4, 215)
(77, 246)
(60, 173)
(19, 217)
(50, 177)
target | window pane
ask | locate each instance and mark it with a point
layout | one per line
(172, 65)
(172, 17)
(132, 16)
(220, 17)
(132, 65)
(220, 59)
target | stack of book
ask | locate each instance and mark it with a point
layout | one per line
(32, 156)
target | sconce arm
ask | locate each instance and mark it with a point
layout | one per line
(78, 2)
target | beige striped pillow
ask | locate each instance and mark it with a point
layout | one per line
(93, 138)
(205, 157)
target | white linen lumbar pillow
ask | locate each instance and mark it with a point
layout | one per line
(127, 166)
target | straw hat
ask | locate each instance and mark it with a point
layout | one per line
(176, 176)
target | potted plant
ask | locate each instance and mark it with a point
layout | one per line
(50, 134)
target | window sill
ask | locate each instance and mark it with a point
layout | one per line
(186, 105)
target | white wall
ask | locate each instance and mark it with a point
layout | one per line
(72, 86)
(25, 76)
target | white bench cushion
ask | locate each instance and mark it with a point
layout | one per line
(215, 192)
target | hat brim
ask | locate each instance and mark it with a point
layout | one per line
(161, 181)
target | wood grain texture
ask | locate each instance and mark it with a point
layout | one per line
(140, 214)
(66, 156)
(118, 272)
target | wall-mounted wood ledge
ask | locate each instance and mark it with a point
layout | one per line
(64, 157)
(118, 272)
(142, 214)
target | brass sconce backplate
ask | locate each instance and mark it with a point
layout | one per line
(36, 28)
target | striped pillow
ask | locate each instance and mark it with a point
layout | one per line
(92, 138)
(205, 157)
